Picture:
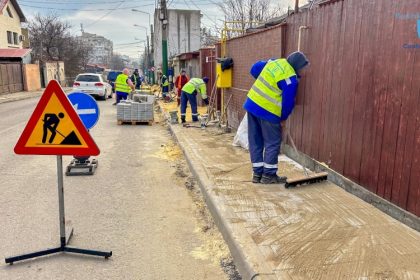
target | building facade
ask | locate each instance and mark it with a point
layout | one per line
(11, 17)
(183, 33)
(102, 48)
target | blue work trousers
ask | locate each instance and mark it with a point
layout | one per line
(264, 145)
(192, 98)
(121, 95)
(165, 91)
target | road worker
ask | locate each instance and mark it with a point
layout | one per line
(135, 78)
(123, 85)
(180, 82)
(269, 103)
(189, 94)
(164, 85)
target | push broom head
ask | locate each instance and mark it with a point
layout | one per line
(306, 180)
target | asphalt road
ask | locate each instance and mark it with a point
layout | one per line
(132, 206)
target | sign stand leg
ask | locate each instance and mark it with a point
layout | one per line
(63, 241)
(61, 201)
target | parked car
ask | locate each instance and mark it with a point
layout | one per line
(93, 84)
(112, 76)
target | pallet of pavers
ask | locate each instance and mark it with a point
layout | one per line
(140, 110)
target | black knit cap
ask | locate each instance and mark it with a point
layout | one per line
(298, 61)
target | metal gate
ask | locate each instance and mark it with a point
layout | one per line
(11, 79)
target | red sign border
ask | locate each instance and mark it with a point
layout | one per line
(54, 87)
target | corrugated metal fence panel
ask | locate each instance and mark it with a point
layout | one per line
(357, 108)
(358, 103)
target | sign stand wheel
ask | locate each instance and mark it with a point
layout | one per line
(63, 238)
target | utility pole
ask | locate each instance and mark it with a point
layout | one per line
(148, 59)
(152, 38)
(163, 17)
(297, 6)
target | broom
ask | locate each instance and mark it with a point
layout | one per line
(307, 179)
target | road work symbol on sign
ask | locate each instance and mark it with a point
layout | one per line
(55, 128)
(51, 122)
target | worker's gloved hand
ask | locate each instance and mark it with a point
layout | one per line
(206, 101)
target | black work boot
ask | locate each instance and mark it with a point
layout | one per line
(273, 179)
(182, 119)
(256, 178)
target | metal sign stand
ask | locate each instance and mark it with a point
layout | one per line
(63, 242)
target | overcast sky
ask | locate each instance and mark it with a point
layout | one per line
(114, 19)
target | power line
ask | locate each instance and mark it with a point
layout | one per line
(203, 13)
(69, 3)
(105, 15)
(132, 43)
(83, 10)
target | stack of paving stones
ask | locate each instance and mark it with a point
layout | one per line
(140, 109)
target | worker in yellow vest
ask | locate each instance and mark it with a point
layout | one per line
(270, 101)
(164, 85)
(123, 85)
(189, 94)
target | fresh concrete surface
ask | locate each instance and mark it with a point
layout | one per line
(384, 205)
(135, 205)
(311, 232)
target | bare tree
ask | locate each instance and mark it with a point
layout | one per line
(249, 13)
(117, 63)
(207, 38)
(51, 40)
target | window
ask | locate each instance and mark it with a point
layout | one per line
(87, 78)
(15, 38)
(8, 12)
(9, 37)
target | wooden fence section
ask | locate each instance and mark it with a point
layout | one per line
(359, 101)
(358, 105)
(11, 79)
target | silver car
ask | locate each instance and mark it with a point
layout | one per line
(93, 84)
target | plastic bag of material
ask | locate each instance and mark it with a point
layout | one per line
(241, 137)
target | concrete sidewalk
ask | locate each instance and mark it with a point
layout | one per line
(16, 96)
(310, 232)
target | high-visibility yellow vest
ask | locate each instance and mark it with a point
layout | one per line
(121, 84)
(196, 84)
(265, 92)
(166, 82)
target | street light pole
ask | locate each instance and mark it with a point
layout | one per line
(149, 61)
(138, 11)
(147, 56)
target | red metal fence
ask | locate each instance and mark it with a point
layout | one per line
(358, 106)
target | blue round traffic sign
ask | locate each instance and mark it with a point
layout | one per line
(86, 107)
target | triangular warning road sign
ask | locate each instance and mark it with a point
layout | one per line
(55, 128)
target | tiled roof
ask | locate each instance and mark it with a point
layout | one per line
(14, 52)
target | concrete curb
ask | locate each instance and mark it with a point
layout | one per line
(246, 268)
(13, 99)
(27, 95)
